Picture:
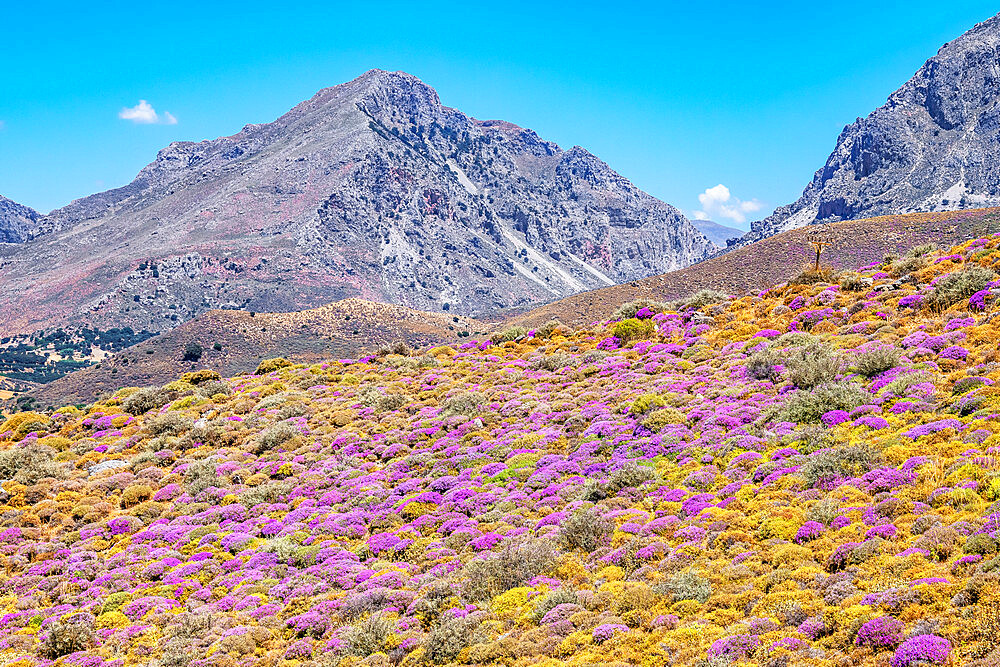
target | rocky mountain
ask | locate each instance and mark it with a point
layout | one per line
(371, 189)
(17, 223)
(933, 146)
(716, 233)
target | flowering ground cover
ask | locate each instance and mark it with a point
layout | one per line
(803, 476)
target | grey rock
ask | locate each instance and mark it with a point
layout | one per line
(107, 465)
(18, 223)
(933, 146)
(370, 189)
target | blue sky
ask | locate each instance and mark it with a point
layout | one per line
(679, 97)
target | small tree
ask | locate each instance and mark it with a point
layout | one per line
(193, 351)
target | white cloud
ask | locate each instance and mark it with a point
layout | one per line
(718, 203)
(143, 113)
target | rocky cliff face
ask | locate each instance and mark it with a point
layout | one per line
(370, 189)
(933, 146)
(17, 223)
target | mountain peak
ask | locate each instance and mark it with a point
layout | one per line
(933, 146)
(370, 189)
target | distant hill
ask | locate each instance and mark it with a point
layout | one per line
(933, 146)
(773, 260)
(346, 328)
(371, 189)
(716, 233)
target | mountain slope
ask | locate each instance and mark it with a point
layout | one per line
(720, 487)
(772, 260)
(17, 222)
(716, 233)
(370, 189)
(933, 146)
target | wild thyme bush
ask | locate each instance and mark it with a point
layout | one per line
(806, 407)
(811, 365)
(585, 529)
(954, 287)
(146, 399)
(631, 309)
(876, 361)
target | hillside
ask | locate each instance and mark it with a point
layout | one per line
(931, 147)
(716, 233)
(346, 328)
(772, 260)
(371, 189)
(804, 476)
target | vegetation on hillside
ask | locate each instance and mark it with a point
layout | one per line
(808, 475)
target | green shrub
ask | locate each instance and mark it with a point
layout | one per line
(954, 287)
(628, 310)
(629, 476)
(940, 541)
(554, 361)
(688, 586)
(763, 365)
(64, 638)
(811, 276)
(585, 529)
(705, 297)
(29, 464)
(876, 361)
(900, 385)
(851, 461)
(192, 351)
(275, 437)
(199, 476)
(447, 639)
(981, 544)
(512, 566)
(510, 334)
(646, 402)
(463, 403)
(269, 493)
(794, 339)
(807, 407)
(550, 328)
(171, 423)
(967, 384)
(144, 400)
(546, 603)
(921, 250)
(824, 511)
(368, 636)
(632, 329)
(907, 264)
(812, 365)
(213, 388)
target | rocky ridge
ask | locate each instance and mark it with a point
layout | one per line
(931, 147)
(371, 189)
